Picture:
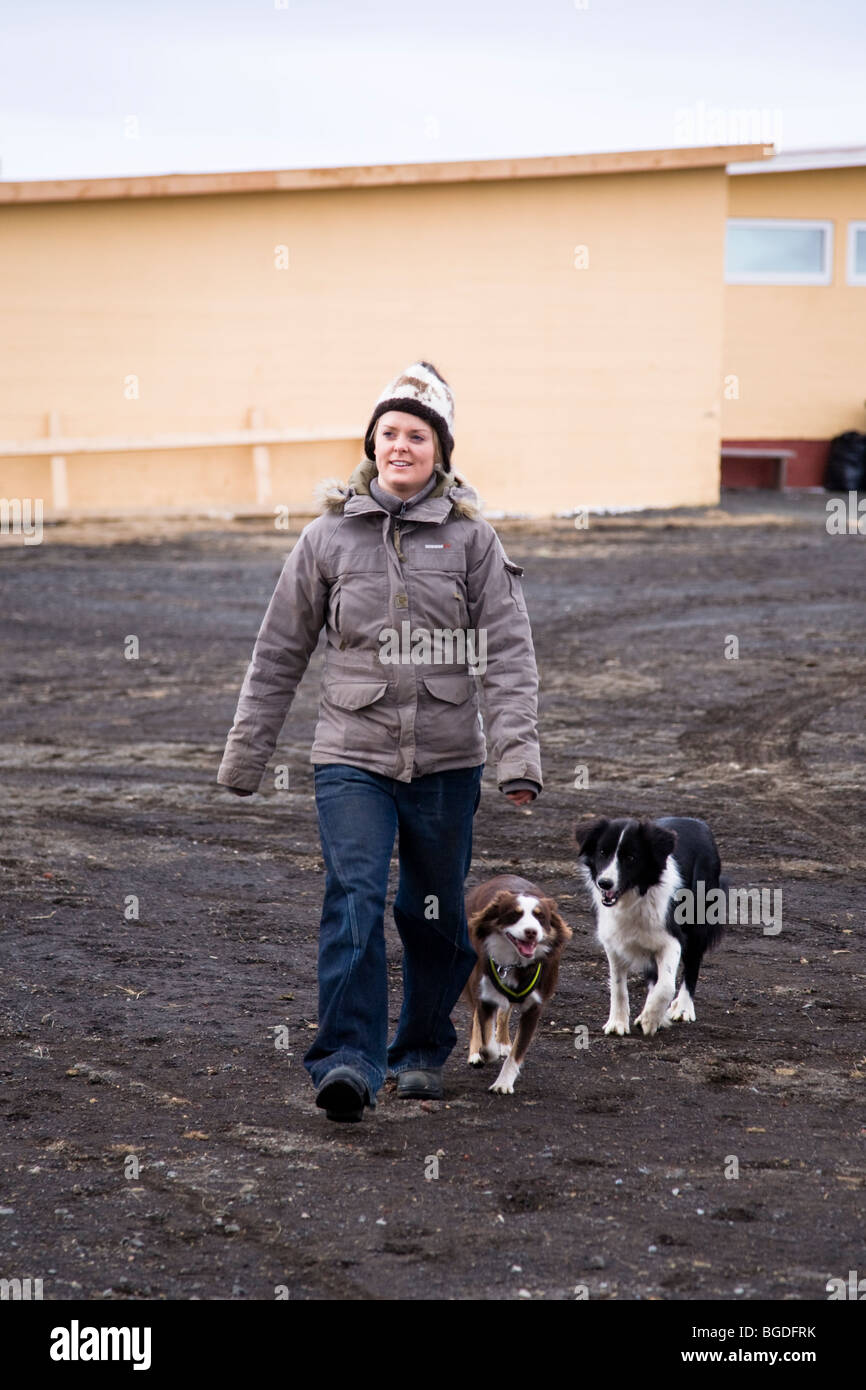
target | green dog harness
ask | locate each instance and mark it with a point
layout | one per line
(500, 984)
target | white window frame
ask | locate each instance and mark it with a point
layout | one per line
(853, 277)
(784, 277)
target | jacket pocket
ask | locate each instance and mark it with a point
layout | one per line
(356, 722)
(453, 688)
(447, 724)
(513, 573)
(357, 610)
(436, 582)
(355, 694)
(336, 593)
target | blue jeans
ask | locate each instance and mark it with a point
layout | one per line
(359, 814)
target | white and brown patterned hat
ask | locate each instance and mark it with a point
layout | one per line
(421, 391)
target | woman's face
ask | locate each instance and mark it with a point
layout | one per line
(405, 452)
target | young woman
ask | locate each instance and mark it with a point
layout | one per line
(420, 604)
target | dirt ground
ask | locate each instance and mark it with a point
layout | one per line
(158, 1144)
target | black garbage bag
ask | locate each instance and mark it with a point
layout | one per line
(846, 464)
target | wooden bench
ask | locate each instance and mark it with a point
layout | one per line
(57, 446)
(778, 457)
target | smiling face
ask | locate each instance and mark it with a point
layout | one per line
(525, 925)
(518, 928)
(405, 452)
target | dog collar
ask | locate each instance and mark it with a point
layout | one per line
(493, 971)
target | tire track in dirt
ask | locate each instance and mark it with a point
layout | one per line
(763, 733)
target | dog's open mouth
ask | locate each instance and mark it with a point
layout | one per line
(609, 896)
(526, 948)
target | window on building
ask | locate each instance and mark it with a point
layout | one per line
(857, 253)
(778, 251)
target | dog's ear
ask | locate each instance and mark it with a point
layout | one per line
(661, 841)
(588, 835)
(558, 923)
(482, 922)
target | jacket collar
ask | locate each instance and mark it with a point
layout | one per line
(354, 498)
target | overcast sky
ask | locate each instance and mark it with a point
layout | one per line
(91, 88)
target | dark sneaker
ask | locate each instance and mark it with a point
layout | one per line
(343, 1094)
(420, 1085)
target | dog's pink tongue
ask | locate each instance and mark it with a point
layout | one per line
(526, 948)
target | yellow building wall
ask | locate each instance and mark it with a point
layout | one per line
(798, 352)
(592, 386)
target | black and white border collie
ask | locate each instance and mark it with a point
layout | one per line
(518, 935)
(633, 869)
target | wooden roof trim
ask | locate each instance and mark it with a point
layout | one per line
(377, 175)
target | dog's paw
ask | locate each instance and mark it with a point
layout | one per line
(503, 1050)
(505, 1081)
(475, 1059)
(617, 1025)
(682, 1010)
(493, 1052)
(650, 1023)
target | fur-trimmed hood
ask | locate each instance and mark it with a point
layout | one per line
(332, 495)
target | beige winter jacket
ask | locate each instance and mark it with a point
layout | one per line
(394, 700)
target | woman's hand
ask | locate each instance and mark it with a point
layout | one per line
(521, 797)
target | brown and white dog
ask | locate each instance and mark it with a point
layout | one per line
(519, 936)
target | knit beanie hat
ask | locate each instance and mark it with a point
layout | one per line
(421, 391)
